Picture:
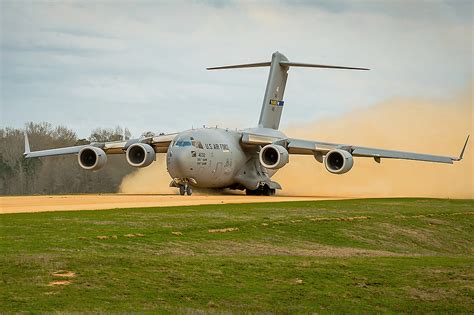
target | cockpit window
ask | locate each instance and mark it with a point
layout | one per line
(183, 143)
(186, 142)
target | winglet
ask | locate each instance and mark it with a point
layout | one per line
(463, 149)
(27, 145)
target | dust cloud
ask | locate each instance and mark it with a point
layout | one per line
(153, 179)
(436, 127)
(426, 126)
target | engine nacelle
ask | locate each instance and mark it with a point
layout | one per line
(140, 154)
(273, 156)
(338, 161)
(92, 158)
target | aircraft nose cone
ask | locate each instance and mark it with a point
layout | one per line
(180, 160)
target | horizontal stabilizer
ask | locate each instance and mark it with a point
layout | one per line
(285, 63)
(310, 65)
(245, 65)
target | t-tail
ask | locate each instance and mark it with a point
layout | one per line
(272, 106)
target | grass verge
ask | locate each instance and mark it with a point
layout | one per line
(374, 255)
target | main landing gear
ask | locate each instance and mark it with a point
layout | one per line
(185, 190)
(261, 191)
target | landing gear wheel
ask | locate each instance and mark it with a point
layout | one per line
(251, 192)
(267, 191)
(182, 190)
(261, 191)
(189, 191)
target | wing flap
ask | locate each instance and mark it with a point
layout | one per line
(161, 143)
(298, 146)
(115, 147)
(258, 139)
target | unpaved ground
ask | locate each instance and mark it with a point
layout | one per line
(18, 204)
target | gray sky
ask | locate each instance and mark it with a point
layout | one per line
(141, 64)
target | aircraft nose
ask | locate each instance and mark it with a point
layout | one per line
(181, 160)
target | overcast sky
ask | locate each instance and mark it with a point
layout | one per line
(85, 64)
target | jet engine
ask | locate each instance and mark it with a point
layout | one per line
(140, 154)
(273, 156)
(92, 158)
(338, 161)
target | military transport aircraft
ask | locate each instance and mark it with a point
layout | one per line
(245, 159)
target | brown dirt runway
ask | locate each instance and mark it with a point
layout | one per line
(19, 204)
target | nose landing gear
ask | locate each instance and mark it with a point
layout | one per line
(185, 190)
(183, 185)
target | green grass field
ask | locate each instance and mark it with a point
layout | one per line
(360, 256)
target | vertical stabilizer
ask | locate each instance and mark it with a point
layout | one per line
(272, 106)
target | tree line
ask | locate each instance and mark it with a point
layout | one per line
(61, 174)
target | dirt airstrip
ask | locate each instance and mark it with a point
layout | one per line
(18, 204)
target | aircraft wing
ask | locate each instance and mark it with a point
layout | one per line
(319, 149)
(159, 143)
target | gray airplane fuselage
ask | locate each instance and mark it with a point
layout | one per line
(215, 158)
